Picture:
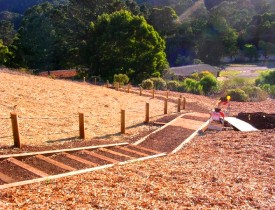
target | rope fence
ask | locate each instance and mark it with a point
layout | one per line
(27, 127)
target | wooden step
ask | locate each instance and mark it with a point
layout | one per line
(56, 163)
(132, 151)
(6, 178)
(100, 156)
(27, 167)
(114, 153)
(79, 159)
(145, 149)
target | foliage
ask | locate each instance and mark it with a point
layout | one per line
(147, 84)
(267, 77)
(209, 83)
(173, 85)
(121, 79)
(250, 51)
(237, 95)
(235, 82)
(255, 93)
(4, 53)
(272, 91)
(159, 83)
(124, 43)
(192, 86)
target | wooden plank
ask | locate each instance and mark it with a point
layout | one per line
(79, 159)
(59, 151)
(100, 156)
(56, 163)
(132, 151)
(27, 167)
(239, 124)
(114, 153)
(145, 149)
(6, 178)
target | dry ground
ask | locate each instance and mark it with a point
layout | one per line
(220, 170)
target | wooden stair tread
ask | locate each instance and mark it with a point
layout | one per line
(79, 159)
(28, 167)
(114, 153)
(56, 163)
(145, 149)
(100, 156)
(6, 178)
(132, 151)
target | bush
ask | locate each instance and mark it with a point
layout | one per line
(237, 95)
(192, 86)
(272, 91)
(159, 83)
(267, 77)
(209, 83)
(121, 79)
(255, 93)
(173, 85)
(147, 84)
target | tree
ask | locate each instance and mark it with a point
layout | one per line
(163, 20)
(7, 32)
(122, 43)
(250, 51)
(4, 53)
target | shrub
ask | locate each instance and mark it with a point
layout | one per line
(192, 86)
(147, 84)
(208, 82)
(267, 77)
(272, 91)
(173, 85)
(159, 83)
(121, 79)
(237, 95)
(255, 93)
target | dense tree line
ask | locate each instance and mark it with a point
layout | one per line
(137, 38)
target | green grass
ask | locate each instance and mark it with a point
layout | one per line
(229, 73)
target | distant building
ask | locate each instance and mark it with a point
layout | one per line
(185, 71)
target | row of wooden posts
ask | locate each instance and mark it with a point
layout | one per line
(16, 133)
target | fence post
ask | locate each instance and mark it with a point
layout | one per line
(183, 103)
(147, 113)
(107, 83)
(165, 105)
(117, 86)
(95, 80)
(179, 103)
(84, 79)
(122, 121)
(153, 93)
(167, 93)
(140, 91)
(81, 126)
(15, 130)
(128, 88)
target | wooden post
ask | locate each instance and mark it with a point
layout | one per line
(167, 93)
(128, 88)
(107, 83)
(84, 79)
(165, 105)
(81, 126)
(15, 130)
(117, 85)
(153, 93)
(95, 80)
(123, 121)
(179, 103)
(147, 113)
(140, 91)
(183, 103)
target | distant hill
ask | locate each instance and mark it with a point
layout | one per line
(20, 6)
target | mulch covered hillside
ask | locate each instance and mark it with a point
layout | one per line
(219, 170)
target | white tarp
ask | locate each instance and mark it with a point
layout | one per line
(239, 124)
